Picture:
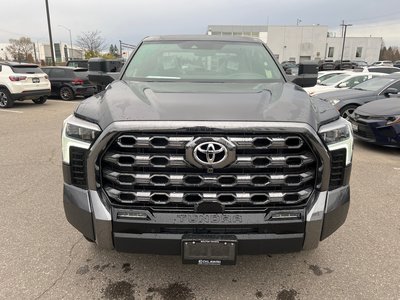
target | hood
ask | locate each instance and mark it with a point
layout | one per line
(345, 94)
(386, 107)
(172, 101)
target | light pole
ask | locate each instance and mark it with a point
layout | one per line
(53, 61)
(344, 40)
(70, 40)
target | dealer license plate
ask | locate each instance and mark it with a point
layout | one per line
(209, 249)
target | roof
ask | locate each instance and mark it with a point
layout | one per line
(64, 68)
(12, 64)
(201, 38)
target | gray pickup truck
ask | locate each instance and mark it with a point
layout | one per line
(203, 148)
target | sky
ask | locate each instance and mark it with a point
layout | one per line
(131, 20)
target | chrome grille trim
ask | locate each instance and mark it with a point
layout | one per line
(180, 180)
(181, 198)
(177, 142)
(179, 160)
(286, 165)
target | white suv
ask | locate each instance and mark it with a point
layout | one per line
(19, 82)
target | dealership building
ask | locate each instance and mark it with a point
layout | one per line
(41, 52)
(308, 42)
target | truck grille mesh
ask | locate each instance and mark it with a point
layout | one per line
(150, 170)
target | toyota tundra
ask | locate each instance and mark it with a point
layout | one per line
(203, 148)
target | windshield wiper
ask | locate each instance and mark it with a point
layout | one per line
(358, 89)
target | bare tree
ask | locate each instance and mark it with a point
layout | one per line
(20, 49)
(91, 41)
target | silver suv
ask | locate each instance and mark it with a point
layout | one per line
(20, 82)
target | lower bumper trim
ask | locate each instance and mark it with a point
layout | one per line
(170, 244)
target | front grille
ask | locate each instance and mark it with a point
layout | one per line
(78, 166)
(338, 164)
(151, 170)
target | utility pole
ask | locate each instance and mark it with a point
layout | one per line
(344, 28)
(53, 61)
(120, 48)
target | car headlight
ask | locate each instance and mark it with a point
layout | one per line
(393, 120)
(338, 135)
(334, 101)
(77, 133)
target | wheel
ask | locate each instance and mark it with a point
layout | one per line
(40, 100)
(347, 111)
(5, 99)
(66, 93)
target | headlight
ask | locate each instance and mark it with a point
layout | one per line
(338, 135)
(77, 133)
(334, 101)
(393, 120)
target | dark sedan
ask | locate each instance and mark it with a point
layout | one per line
(346, 101)
(378, 122)
(69, 82)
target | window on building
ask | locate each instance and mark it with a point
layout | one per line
(255, 34)
(237, 33)
(359, 52)
(330, 51)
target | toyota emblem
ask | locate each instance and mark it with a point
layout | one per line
(210, 153)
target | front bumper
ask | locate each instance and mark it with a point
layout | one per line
(84, 90)
(161, 233)
(376, 132)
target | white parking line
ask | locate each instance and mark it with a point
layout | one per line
(12, 111)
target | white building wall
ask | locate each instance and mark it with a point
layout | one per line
(304, 42)
(297, 42)
(370, 46)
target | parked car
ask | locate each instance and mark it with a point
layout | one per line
(20, 82)
(344, 65)
(378, 122)
(323, 75)
(326, 64)
(346, 101)
(382, 69)
(341, 81)
(382, 63)
(78, 63)
(396, 64)
(357, 64)
(69, 82)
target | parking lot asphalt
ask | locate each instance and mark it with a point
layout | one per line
(43, 257)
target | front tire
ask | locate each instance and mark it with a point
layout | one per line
(5, 99)
(66, 93)
(40, 100)
(347, 111)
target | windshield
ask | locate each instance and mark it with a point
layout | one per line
(202, 61)
(334, 79)
(374, 84)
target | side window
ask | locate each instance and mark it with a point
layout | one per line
(57, 73)
(395, 85)
(1, 67)
(47, 71)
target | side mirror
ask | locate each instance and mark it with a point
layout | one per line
(391, 91)
(307, 76)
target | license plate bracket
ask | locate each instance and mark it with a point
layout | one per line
(35, 80)
(209, 249)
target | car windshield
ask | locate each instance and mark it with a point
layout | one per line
(374, 84)
(334, 79)
(82, 73)
(202, 61)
